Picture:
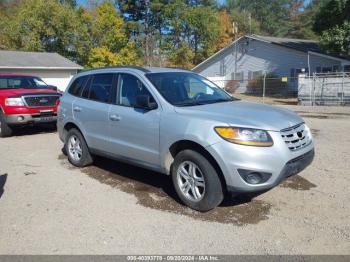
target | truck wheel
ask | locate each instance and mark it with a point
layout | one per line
(5, 130)
(196, 181)
(77, 149)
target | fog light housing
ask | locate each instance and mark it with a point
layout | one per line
(20, 118)
(253, 177)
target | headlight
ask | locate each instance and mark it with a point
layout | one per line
(245, 136)
(14, 101)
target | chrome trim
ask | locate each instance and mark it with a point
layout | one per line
(38, 95)
(296, 137)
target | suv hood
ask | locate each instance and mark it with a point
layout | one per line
(244, 114)
(25, 91)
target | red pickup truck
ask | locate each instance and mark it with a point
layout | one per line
(26, 100)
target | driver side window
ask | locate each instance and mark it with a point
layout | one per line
(129, 88)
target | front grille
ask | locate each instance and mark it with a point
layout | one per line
(41, 100)
(296, 137)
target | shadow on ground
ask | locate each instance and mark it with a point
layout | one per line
(154, 190)
(33, 130)
(3, 179)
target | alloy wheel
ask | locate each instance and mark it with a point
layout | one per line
(191, 181)
(74, 148)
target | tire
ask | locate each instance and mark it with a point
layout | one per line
(203, 186)
(5, 130)
(77, 149)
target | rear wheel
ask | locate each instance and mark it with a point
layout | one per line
(77, 149)
(5, 130)
(196, 181)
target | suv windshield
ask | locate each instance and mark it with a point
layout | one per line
(187, 89)
(29, 82)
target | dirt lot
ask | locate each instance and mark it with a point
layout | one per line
(49, 207)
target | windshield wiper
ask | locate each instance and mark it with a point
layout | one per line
(218, 100)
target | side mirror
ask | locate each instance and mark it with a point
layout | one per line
(52, 87)
(144, 102)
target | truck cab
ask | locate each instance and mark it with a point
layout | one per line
(26, 100)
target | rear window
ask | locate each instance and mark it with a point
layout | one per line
(77, 86)
(99, 88)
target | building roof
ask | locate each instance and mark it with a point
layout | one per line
(302, 45)
(298, 44)
(35, 60)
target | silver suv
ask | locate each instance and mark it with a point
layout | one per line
(178, 123)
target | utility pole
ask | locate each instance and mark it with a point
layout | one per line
(250, 24)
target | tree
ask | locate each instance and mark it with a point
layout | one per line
(331, 14)
(334, 26)
(245, 23)
(337, 39)
(38, 25)
(111, 45)
(272, 15)
(226, 32)
(201, 31)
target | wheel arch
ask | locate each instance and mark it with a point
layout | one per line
(68, 126)
(181, 145)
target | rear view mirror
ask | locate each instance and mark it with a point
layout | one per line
(144, 102)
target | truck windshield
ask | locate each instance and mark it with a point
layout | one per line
(187, 89)
(30, 82)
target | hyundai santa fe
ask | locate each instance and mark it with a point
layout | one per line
(178, 123)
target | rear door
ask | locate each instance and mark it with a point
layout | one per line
(91, 110)
(134, 131)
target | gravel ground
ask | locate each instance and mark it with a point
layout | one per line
(49, 207)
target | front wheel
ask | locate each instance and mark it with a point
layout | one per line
(196, 181)
(5, 130)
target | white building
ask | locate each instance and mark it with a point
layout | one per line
(53, 68)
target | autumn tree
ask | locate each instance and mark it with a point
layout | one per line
(111, 45)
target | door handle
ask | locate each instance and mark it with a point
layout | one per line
(114, 117)
(77, 109)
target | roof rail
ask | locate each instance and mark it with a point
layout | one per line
(117, 67)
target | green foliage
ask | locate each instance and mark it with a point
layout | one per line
(333, 23)
(57, 26)
(46, 26)
(337, 39)
(331, 14)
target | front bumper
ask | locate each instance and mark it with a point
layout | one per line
(25, 119)
(277, 161)
(292, 167)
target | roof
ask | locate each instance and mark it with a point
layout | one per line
(302, 45)
(35, 60)
(136, 68)
(298, 44)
